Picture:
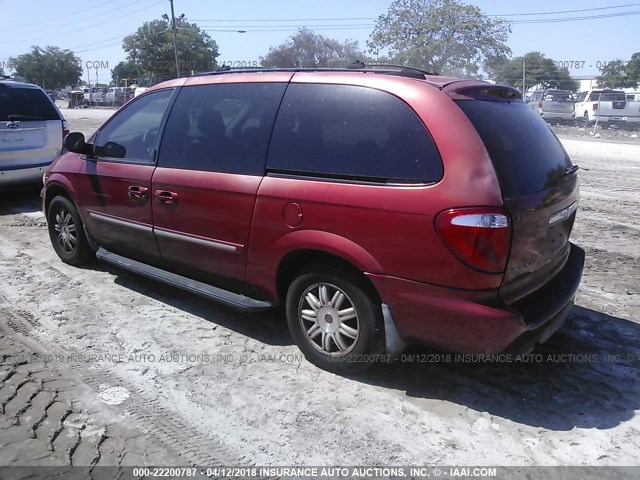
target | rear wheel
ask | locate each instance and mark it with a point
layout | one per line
(67, 233)
(334, 320)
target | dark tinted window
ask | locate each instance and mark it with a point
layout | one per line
(351, 132)
(25, 104)
(221, 128)
(526, 154)
(581, 97)
(558, 96)
(134, 128)
(613, 97)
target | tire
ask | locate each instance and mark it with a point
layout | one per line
(348, 337)
(67, 232)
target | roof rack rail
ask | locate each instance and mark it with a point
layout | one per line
(357, 65)
(400, 67)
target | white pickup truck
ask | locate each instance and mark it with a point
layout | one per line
(606, 107)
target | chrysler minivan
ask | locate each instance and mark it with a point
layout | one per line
(381, 207)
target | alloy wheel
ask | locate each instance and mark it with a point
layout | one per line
(329, 319)
(66, 230)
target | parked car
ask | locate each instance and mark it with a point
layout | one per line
(553, 104)
(118, 95)
(31, 133)
(607, 107)
(381, 206)
(53, 94)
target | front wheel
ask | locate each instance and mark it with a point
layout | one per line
(67, 233)
(334, 320)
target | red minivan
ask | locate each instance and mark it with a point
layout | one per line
(381, 207)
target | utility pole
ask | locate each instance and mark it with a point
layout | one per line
(175, 39)
(524, 88)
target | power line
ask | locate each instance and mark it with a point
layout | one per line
(283, 19)
(289, 26)
(84, 27)
(119, 38)
(50, 19)
(290, 29)
(341, 19)
(565, 11)
(575, 19)
(56, 26)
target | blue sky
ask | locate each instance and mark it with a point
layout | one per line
(94, 28)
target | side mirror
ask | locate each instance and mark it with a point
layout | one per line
(74, 142)
(113, 150)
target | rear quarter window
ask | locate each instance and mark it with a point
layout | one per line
(25, 102)
(526, 154)
(352, 133)
(613, 97)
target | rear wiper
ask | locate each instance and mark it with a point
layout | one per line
(24, 117)
(570, 170)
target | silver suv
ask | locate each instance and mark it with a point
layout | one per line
(31, 133)
(553, 104)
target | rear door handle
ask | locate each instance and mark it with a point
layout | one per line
(138, 192)
(165, 197)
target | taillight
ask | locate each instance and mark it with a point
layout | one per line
(479, 237)
(595, 107)
(65, 129)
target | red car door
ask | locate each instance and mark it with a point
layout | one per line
(210, 165)
(115, 184)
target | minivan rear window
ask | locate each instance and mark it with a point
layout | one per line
(526, 154)
(26, 103)
(351, 133)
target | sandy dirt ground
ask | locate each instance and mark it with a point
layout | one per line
(210, 385)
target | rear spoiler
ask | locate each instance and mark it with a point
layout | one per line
(474, 90)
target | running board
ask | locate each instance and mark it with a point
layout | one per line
(232, 299)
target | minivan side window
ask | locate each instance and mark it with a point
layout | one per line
(131, 134)
(351, 133)
(221, 127)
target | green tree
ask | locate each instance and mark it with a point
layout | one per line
(306, 49)
(620, 74)
(150, 49)
(442, 36)
(49, 67)
(539, 71)
(633, 70)
(127, 73)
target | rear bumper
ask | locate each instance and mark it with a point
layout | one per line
(479, 322)
(619, 119)
(22, 175)
(557, 115)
